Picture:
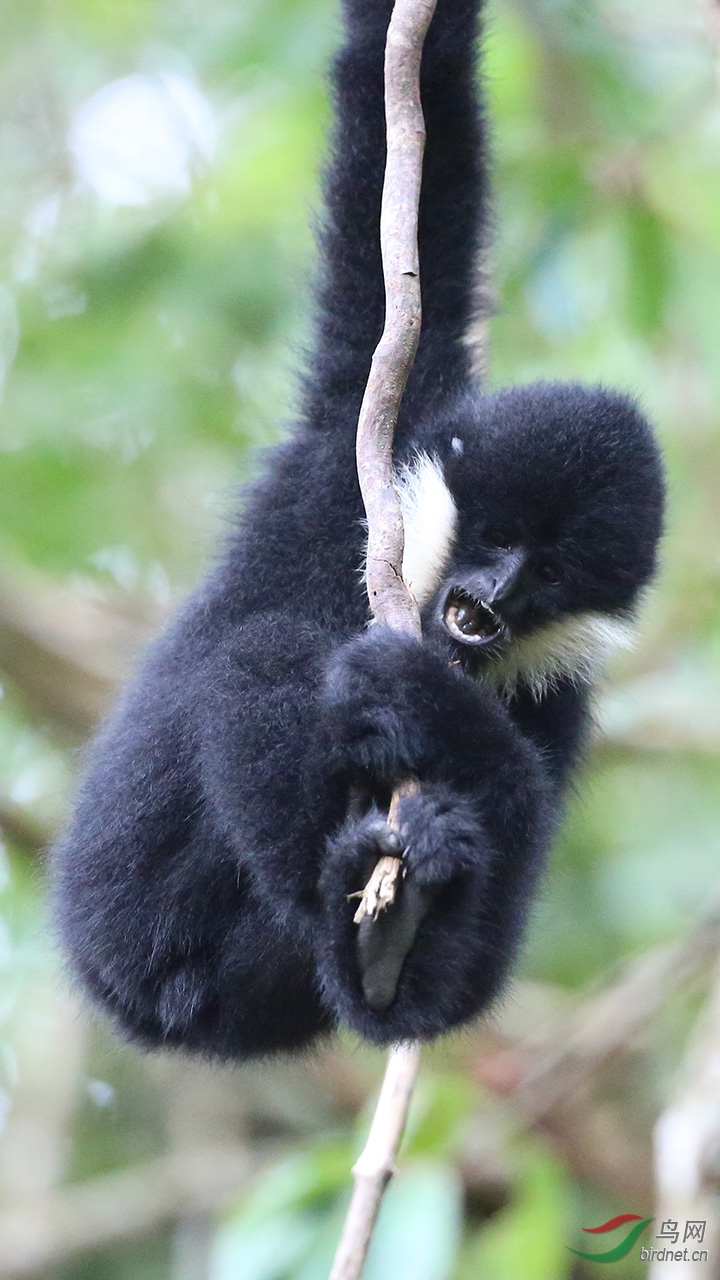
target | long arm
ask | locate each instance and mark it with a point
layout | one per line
(351, 296)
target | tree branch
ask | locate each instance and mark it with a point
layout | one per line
(375, 1166)
(390, 600)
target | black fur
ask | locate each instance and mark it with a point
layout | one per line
(232, 800)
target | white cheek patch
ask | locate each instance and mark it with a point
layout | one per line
(575, 648)
(430, 520)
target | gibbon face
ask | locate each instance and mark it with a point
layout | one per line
(532, 530)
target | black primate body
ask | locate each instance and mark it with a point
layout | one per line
(233, 799)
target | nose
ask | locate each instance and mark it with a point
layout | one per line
(500, 580)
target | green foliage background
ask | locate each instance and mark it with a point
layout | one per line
(147, 351)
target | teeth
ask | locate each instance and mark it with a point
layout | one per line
(470, 620)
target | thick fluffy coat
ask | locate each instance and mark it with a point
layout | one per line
(231, 801)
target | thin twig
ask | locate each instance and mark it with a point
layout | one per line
(390, 600)
(375, 1166)
(381, 889)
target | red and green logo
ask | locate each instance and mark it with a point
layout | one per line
(622, 1249)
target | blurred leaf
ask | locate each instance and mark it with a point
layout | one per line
(300, 1181)
(266, 1250)
(440, 1106)
(527, 1239)
(649, 270)
(419, 1230)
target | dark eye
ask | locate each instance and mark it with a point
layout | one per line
(499, 537)
(548, 574)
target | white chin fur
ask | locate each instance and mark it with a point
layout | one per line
(430, 519)
(576, 648)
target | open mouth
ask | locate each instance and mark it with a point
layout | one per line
(470, 621)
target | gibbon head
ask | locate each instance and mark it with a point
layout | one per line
(532, 528)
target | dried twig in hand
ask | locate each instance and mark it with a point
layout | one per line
(381, 889)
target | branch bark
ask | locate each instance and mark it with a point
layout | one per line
(390, 600)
